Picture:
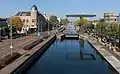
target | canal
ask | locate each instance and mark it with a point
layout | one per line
(70, 57)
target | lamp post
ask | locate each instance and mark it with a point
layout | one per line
(11, 41)
(56, 27)
(48, 25)
(47, 19)
(38, 29)
(0, 32)
(119, 30)
(41, 26)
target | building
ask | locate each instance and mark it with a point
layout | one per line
(3, 27)
(32, 19)
(3, 22)
(118, 18)
(110, 17)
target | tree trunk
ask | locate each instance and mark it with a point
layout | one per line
(119, 42)
(114, 40)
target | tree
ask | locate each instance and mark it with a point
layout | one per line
(113, 31)
(16, 22)
(53, 20)
(81, 21)
(101, 28)
(90, 27)
(64, 21)
(82, 24)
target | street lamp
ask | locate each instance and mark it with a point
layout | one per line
(119, 35)
(48, 25)
(38, 29)
(47, 19)
(11, 45)
(0, 34)
(56, 27)
(41, 26)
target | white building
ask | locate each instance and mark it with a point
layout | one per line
(118, 18)
(110, 17)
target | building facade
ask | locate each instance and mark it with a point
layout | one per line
(3, 22)
(118, 19)
(33, 19)
(110, 17)
(3, 26)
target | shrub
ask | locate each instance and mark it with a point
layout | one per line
(8, 59)
(45, 37)
(33, 44)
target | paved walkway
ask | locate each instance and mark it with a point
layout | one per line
(21, 60)
(18, 42)
(5, 46)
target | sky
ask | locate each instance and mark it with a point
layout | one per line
(60, 7)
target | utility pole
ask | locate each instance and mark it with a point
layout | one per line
(38, 29)
(119, 30)
(47, 22)
(11, 45)
(0, 32)
(41, 26)
(48, 25)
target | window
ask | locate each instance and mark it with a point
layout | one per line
(33, 20)
(27, 20)
(23, 20)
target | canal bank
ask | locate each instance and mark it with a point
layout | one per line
(28, 58)
(114, 62)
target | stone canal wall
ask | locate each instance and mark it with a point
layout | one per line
(114, 62)
(22, 63)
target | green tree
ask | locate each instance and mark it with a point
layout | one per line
(101, 28)
(90, 27)
(82, 24)
(16, 22)
(53, 20)
(113, 31)
(81, 21)
(64, 21)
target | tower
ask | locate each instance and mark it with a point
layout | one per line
(34, 14)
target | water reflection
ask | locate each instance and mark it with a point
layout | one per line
(81, 48)
(82, 53)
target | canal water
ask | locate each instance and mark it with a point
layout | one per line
(70, 57)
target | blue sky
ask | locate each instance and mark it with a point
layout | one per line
(60, 7)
